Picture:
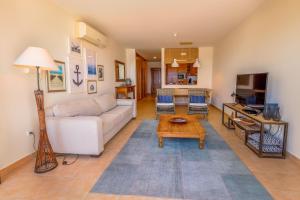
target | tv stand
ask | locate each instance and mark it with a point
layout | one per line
(259, 129)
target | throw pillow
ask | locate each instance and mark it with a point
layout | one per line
(197, 99)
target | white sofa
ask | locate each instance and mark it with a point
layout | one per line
(85, 126)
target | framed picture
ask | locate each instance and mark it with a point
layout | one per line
(91, 63)
(100, 70)
(92, 86)
(119, 71)
(76, 74)
(56, 79)
(75, 47)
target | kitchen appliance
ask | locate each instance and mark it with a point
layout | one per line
(181, 76)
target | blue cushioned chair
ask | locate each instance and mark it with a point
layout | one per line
(165, 101)
(198, 99)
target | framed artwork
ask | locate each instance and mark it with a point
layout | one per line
(75, 47)
(100, 70)
(56, 79)
(120, 71)
(91, 63)
(76, 74)
(92, 86)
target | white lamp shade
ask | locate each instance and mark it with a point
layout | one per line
(175, 63)
(36, 57)
(196, 63)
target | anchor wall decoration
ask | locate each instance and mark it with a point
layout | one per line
(77, 82)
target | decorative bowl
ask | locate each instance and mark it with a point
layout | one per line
(178, 120)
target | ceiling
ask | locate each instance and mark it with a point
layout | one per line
(148, 25)
(150, 54)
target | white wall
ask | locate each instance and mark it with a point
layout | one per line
(268, 41)
(36, 23)
(131, 65)
(206, 55)
(150, 65)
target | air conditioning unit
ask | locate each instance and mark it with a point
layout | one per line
(84, 31)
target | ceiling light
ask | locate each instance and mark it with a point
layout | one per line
(175, 63)
(196, 63)
(183, 53)
(175, 34)
(154, 57)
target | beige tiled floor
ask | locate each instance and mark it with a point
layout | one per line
(280, 177)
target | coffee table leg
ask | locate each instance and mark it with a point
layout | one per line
(201, 144)
(160, 142)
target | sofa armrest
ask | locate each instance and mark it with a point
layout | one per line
(76, 135)
(128, 102)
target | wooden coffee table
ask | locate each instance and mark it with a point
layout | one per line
(191, 129)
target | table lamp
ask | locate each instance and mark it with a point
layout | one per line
(35, 57)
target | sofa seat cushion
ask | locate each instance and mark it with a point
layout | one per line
(82, 107)
(198, 104)
(106, 102)
(109, 121)
(111, 118)
(124, 111)
(165, 104)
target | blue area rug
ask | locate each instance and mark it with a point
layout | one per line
(180, 169)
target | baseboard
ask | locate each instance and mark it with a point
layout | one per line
(219, 109)
(293, 158)
(15, 165)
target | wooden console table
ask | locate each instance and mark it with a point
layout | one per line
(125, 90)
(260, 128)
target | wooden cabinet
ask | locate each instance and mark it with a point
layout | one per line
(124, 91)
(182, 68)
(168, 56)
(183, 55)
(155, 80)
(193, 54)
(141, 77)
(192, 71)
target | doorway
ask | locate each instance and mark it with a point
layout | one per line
(155, 80)
(141, 77)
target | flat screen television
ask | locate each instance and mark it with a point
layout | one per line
(251, 90)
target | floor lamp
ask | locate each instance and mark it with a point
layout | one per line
(40, 59)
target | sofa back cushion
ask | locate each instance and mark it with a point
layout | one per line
(165, 99)
(197, 99)
(106, 102)
(83, 107)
